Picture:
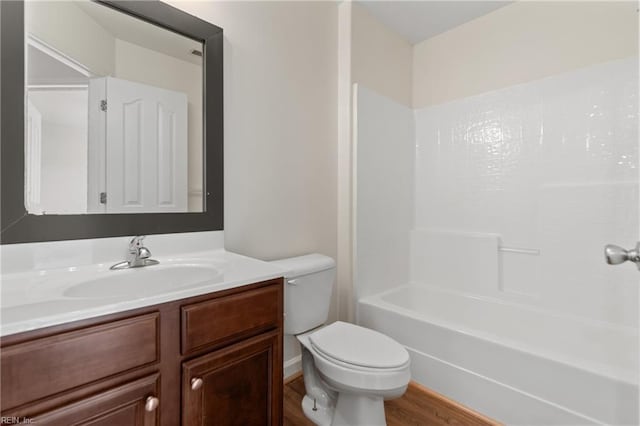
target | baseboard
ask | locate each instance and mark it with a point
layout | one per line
(293, 378)
(292, 367)
(448, 411)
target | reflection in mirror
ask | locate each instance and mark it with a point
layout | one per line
(113, 113)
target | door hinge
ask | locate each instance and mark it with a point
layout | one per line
(103, 105)
(103, 198)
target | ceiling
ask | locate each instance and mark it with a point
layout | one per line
(136, 31)
(419, 20)
(42, 68)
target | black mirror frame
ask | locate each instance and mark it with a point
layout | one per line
(17, 225)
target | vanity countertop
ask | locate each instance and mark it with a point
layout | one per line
(38, 299)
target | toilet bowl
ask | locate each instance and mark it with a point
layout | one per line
(361, 367)
(348, 370)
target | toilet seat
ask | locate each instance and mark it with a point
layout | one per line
(342, 375)
(357, 347)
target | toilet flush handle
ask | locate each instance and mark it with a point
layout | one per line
(292, 282)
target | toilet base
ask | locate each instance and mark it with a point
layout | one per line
(318, 414)
(337, 403)
(359, 410)
(350, 410)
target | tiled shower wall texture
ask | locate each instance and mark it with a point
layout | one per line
(548, 170)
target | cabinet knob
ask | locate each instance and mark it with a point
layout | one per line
(196, 383)
(151, 403)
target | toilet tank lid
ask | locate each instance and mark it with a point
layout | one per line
(303, 265)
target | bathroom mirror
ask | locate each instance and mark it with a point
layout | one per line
(114, 117)
(111, 120)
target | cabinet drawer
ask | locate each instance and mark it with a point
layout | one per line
(230, 317)
(46, 366)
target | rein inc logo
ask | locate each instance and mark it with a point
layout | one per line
(13, 420)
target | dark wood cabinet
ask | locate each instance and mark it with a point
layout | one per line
(42, 367)
(131, 404)
(214, 359)
(237, 385)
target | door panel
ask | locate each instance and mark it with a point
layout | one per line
(122, 406)
(142, 163)
(239, 385)
(131, 166)
(146, 148)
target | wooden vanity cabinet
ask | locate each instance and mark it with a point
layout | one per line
(130, 404)
(205, 360)
(235, 385)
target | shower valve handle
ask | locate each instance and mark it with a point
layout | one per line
(616, 255)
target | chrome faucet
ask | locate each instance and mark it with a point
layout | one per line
(137, 257)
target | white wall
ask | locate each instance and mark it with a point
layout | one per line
(64, 168)
(63, 159)
(64, 26)
(280, 126)
(380, 59)
(384, 151)
(524, 41)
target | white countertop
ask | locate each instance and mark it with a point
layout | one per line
(36, 299)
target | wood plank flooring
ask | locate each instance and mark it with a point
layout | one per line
(293, 394)
(419, 406)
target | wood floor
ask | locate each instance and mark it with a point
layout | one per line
(417, 407)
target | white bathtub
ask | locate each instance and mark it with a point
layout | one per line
(511, 362)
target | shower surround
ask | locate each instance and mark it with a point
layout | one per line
(480, 224)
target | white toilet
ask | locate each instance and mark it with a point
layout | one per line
(348, 370)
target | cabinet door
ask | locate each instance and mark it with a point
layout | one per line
(238, 385)
(132, 404)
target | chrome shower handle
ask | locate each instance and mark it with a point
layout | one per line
(616, 255)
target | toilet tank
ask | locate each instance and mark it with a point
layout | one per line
(308, 285)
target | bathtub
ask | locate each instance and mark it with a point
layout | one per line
(511, 362)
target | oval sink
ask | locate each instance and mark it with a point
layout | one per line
(146, 281)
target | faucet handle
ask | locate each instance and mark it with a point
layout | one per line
(144, 253)
(136, 242)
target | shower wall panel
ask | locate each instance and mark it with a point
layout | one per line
(549, 167)
(384, 155)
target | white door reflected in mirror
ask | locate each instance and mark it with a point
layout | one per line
(146, 165)
(114, 116)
